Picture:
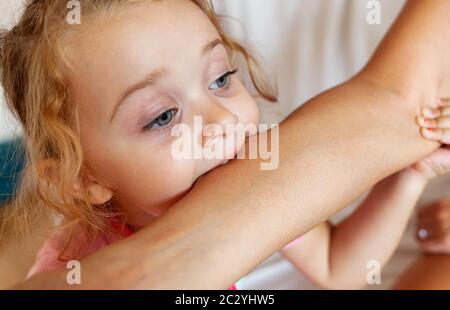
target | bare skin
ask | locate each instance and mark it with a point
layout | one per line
(427, 273)
(431, 271)
(433, 229)
(336, 257)
(344, 141)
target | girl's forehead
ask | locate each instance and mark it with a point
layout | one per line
(159, 16)
(158, 28)
(111, 55)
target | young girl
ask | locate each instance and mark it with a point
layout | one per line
(98, 100)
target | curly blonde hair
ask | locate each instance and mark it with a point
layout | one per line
(34, 76)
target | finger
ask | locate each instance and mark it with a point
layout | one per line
(432, 230)
(441, 216)
(437, 110)
(443, 102)
(445, 111)
(437, 163)
(440, 245)
(436, 134)
(434, 226)
(430, 113)
(437, 211)
(442, 122)
(424, 122)
(442, 109)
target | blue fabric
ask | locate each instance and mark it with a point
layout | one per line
(11, 165)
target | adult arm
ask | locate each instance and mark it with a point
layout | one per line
(331, 150)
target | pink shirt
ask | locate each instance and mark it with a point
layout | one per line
(48, 257)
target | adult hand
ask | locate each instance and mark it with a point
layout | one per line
(434, 227)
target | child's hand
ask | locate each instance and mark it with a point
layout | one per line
(435, 126)
(435, 123)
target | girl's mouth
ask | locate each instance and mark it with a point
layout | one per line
(228, 160)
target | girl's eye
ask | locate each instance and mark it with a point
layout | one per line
(223, 81)
(162, 121)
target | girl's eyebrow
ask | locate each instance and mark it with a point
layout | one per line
(150, 80)
(156, 75)
(211, 45)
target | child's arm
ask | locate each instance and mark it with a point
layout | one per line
(337, 257)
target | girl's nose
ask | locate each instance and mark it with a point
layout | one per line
(218, 121)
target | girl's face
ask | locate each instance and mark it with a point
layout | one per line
(139, 73)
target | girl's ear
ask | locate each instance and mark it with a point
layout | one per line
(47, 170)
(97, 193)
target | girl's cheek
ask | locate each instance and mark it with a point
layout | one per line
(166, 179)
(255, 114)
(251, 113)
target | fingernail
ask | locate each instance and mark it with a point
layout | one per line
(428, 133)
(426, 112)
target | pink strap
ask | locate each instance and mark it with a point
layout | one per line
(293, 243)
